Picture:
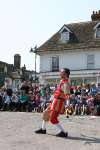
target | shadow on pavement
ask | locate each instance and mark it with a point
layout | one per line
(86, 139)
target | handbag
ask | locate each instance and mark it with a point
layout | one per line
(46, 114)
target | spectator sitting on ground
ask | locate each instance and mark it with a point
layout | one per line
(25, 87)
(90, 105)
(97, 104)
(6, 102)
(23, 101)
(31, 102)
(14, 102)
(98, 87)
(93, 89)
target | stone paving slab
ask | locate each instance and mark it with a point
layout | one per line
(17, 133)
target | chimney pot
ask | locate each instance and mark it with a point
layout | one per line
(93, 12)
(95, 16)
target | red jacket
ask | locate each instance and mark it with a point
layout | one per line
(61, 94)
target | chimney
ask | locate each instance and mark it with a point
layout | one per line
(95, 16)
(17, 61)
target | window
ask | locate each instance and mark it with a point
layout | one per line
(55, 63)
(64, 36)
(90, 62)
(1, 70)
(97, 30)
(98, 33)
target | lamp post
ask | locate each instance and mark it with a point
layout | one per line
(34, 50)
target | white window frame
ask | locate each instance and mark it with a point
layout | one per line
(65, 37)
(98, 33)
(90, 61)
(55, 67)
(64, 34)
(97, 30)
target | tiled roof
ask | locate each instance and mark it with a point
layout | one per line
(83, 37)
(1, 62)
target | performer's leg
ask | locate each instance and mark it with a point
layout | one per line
(54, 120)
(46, 113)
(54, 117)
(43, 125)
(59, 126)
(42, 130)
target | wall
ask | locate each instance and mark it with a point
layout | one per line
(75, 60)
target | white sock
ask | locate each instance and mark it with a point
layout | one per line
(58, 125)
(43, 125)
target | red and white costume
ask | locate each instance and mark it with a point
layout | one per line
(60, 96)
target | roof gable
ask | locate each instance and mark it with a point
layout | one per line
(82, 35)
(64, 29)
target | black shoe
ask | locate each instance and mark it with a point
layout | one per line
(62, 134)
(67, 116)
(40, 131)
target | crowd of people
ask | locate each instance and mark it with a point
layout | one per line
(27, 98)
(84, 99)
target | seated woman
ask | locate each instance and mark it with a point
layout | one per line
(97, 104)
(23, 101)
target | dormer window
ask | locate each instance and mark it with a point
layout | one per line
(98, 32)
(65, 34)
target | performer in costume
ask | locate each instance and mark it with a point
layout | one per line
(57, 106)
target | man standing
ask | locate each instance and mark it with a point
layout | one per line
(57, 106)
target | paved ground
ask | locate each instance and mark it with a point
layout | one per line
(17, 133)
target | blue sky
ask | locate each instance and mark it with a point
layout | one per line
(26, 23)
